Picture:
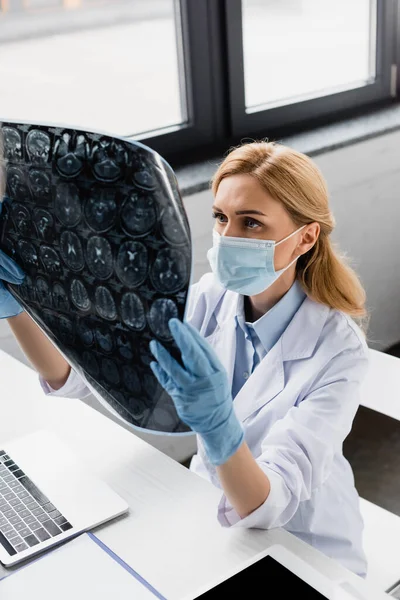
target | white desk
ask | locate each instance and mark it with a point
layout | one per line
(171, 536)
(381, 387)
(381, 393)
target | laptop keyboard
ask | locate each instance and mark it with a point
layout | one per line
(27, 517)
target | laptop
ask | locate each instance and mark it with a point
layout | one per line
(47, 496)
(277, 568)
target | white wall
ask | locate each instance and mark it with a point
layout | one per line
(364, 180)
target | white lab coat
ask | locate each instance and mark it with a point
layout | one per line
(296, 408)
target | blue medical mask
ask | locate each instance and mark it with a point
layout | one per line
(245, 265)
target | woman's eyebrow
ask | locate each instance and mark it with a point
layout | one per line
(250, 212)
(242, 212)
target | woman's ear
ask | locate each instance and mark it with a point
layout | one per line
(309, 237)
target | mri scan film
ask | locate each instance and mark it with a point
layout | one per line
(98, 226)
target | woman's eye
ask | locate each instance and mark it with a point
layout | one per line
(251, 223)
(219, 217)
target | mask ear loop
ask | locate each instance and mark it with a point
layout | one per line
(289, 236)
(297, 257)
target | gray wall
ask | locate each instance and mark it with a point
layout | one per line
(364, 180)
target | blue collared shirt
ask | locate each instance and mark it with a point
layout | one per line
(255, 340)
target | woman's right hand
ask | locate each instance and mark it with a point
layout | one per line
(37, 347)
(11, 272)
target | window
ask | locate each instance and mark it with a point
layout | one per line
(300, 49)
(113, 67)
(298, 60)
(194, 76)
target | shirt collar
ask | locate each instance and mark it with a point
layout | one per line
(271, 326)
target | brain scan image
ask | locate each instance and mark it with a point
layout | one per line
(144, 179)
(172, 229)
(40, 185)
(71, 250)
(138, 215)
(170, 271)
(50, 260)
(132, 311)
(99, 257)
(38, 144)
(44, 222)
(109, 159)
(132, 263)
(85, 333)
(124, 345)
(28, 253)
(105, 340)
(12, 144)
(60, 298)
(161, 311)
(43, 292)
(101, 209)
(98, 226)
(71, 152)
(22, 218)
(17, 183)
(28, 289)
(105, 304)
(68, 207)
(79, 295)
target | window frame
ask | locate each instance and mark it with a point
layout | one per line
(303, 112)
(210, 59)
(194, 63)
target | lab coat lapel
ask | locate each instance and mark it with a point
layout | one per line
(263, 385)
(297, 342)
(223, 339)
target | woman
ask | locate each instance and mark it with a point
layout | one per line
(272, 360)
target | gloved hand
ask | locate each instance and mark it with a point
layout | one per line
(9, 271)
(200, 391)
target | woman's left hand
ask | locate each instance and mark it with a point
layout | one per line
(200, 391)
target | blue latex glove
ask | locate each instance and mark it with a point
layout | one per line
(9, 271)
(200, 391)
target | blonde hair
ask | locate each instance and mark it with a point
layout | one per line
(294, 180)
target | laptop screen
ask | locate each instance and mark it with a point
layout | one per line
(266, 573)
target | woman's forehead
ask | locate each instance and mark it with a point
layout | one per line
(239, 192)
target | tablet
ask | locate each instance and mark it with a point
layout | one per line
(273, 569)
